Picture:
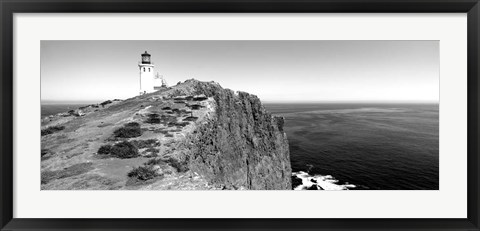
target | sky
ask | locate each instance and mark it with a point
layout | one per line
(290, 71)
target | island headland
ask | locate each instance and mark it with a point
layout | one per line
(191, 136)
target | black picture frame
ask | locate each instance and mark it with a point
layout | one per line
(9, 7)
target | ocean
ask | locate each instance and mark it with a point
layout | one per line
(355, 146)
(52, 109)
(363, 146)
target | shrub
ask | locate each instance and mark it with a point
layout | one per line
(124, 150)
(154, 161)
(179, 166)
(195, 106)
(51, 130)
(105, 103)
(143, 173)
(190, 118)
(132, 124)
(144, 143)
(178, 124)
(151, 152)
(129, 130)
(46, 154)
(153, 119)
(104, 149)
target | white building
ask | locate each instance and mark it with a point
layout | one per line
(159, 82)
(146, 74)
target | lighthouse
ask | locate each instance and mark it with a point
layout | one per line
(146, 74)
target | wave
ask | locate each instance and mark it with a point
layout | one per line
(319, 182)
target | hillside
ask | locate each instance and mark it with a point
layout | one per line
(192, 136)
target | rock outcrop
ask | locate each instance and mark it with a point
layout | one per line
(243, 146)
(195, 135)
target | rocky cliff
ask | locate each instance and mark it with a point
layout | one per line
(195, 135)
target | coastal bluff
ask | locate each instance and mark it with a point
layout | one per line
(191, 136)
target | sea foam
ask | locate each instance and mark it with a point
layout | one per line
(325, 182)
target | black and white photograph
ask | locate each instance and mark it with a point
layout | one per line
(240, 114)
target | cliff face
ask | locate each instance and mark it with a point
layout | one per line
(195, 135)
(242, 146)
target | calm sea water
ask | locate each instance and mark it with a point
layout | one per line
(362, 146)
(52, 109)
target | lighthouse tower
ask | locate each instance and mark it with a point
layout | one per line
(146, 74)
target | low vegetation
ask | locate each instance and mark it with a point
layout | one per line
(149, 146)
(195, 106)
(190, 118)
(181, 111)
(178, 124)
(164, 119)
(143, 173)
(122, 150)
(179, 166)
(105, 149)
(151, 152)
(51, 130)
(153, 118)
(145, 143)
(152, 169)
(147, 171)
(106, 103)
(88, 106)
(46, 154)
(76, 169)
(179, 101)
(129, 130)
